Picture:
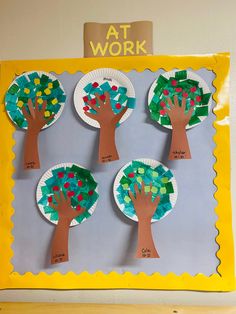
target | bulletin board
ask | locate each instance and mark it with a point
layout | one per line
(195, 241)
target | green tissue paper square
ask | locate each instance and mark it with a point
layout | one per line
(202, 111)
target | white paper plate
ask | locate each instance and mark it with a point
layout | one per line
(40, 73)
(190, 75)
(102, 75)
(153, 163)
(47, 175)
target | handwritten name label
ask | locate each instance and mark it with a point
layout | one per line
(30, 165)
(146, 252)
(58, 258)
(119, 39)
(179, 154)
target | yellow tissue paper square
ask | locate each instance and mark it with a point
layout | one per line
(26, 91)
(36, 81)
(20, 103)
(40, 101)
(47, 114)
(47, 91)
(54, 101)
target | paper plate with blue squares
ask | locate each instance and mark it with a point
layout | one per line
(77, 184)
(32, 85)
(156, 177)
(100, 81)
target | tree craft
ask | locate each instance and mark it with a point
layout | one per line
(66, 196)
(33, 102)
(179, 100)
(145, 191)
(104, 98)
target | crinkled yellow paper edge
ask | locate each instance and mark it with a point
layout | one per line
(223, 281)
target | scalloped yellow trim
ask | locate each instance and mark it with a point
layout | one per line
(224, 280)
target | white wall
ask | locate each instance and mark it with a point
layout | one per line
(31, 29)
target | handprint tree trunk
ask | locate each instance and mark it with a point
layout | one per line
(145, 208)
(155, 199)
(107, 144)
(60, 239)
(146, 247)
(66, 196)
(191, 98)
(179, 148)
(36, 121)
(107, 120)
(31, 152)
(34, 101)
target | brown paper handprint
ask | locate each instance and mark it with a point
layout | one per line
(66, 213)
(179, 148)
(145, 209)
(36, 121)
(108, 121)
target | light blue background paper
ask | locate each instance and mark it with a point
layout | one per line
(185, 239)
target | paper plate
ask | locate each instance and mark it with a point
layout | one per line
(161, 177)
(29, 85)
(80, 182)
(104, 80)
(179, 78)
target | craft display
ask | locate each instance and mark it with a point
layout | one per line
(66, 196)
(145, 191)
(34, 101)
(191, 250)
(105, 98)
(179, 100)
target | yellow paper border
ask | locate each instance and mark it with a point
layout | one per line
(224, 280)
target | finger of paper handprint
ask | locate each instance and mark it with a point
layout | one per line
(31, 108)
(131, 195)
(137, 191)
(120, 114)
(183, 104)
(170, 103)
(98, 98)
(93, 105)
(176, 101)
(156, 201)
(52, 205)
(26, 114)
(58, 200)
(91, 115)
(189, 114)
(108, 99)
(44, 105)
